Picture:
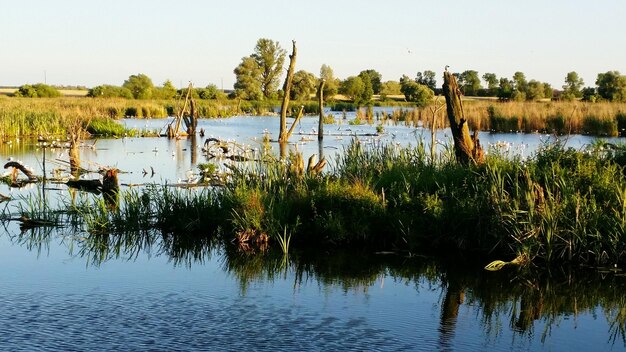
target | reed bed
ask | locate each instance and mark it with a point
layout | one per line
(599, 119)
(24, 117)
(560, 206)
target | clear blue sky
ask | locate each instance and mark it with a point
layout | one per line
(103, 42)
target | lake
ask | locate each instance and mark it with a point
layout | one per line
(63, 290)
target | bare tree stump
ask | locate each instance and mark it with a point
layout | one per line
(283, 136)
(467, 148)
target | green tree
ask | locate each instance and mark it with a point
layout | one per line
(167, 91)
(427, 78)
(548, 92)
(140, 86)
(471, 82)
(520, 83)
(270, 58)
(420, 94)
(331, 87)
(505, 89)
(375, 79)
(210, 92)
(368, 87)
(611, 86)
(248, 83)
(535, 90)
(573, 85)
(492, 82)
(390, 88)
(304, 84)
(38, 90)
(353, 88)
(108, 91)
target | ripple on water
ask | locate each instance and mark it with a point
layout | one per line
(154, 321)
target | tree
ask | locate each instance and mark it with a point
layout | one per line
(140, 86)
(304, 84)
(368, 87)
(168, 91)
(519, 82)
(471, 82)
(270, 58)
(390, 88)
(38, 90)
(492, 83)
(427, 78)
(353, 88)
(248, 83)
(331, 84)
(535, 90)
(573, 85)
(505, 89)
(209, 92)
(548, 92)
(375, 79)
(420, 94)
(611, 86)
(108, 91)
(258, 75)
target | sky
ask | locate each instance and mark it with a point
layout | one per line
(90, 43)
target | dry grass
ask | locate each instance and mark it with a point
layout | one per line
(559, 117)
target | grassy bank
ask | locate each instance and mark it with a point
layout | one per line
(559, 207)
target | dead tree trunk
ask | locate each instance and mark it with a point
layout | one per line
(466, 148)
(283, 136)
(320, 100)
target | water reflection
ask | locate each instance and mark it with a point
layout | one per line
(527, 304)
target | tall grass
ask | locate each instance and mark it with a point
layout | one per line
(21, 117)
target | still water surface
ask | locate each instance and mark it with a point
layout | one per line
(66, 291)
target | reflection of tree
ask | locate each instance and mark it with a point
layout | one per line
(504, 300)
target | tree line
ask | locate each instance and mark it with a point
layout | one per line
(258, 78)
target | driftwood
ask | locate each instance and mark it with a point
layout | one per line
(108, 184)
(19, 166)
(466, 148)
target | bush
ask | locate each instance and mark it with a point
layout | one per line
(39, 90)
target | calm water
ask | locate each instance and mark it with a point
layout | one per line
(66, 291)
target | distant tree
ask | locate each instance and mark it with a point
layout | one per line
(167, 91)
(390, 88)
(248, 83)
(471, 82)
(260, 72)
(427, 78)
(572, 87)
(548, 92)
(368, 87)
(535, 90)
(140, 86)
(590, 94)
(375, 79)
(420, 94)
(108, 91)
(38, 90)
(270, 58)
(210, 92)
(304, 84)
(505, 89)
(611, 86)
(331, 87)
(492, 81)
(520, 83)
(353, 88)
